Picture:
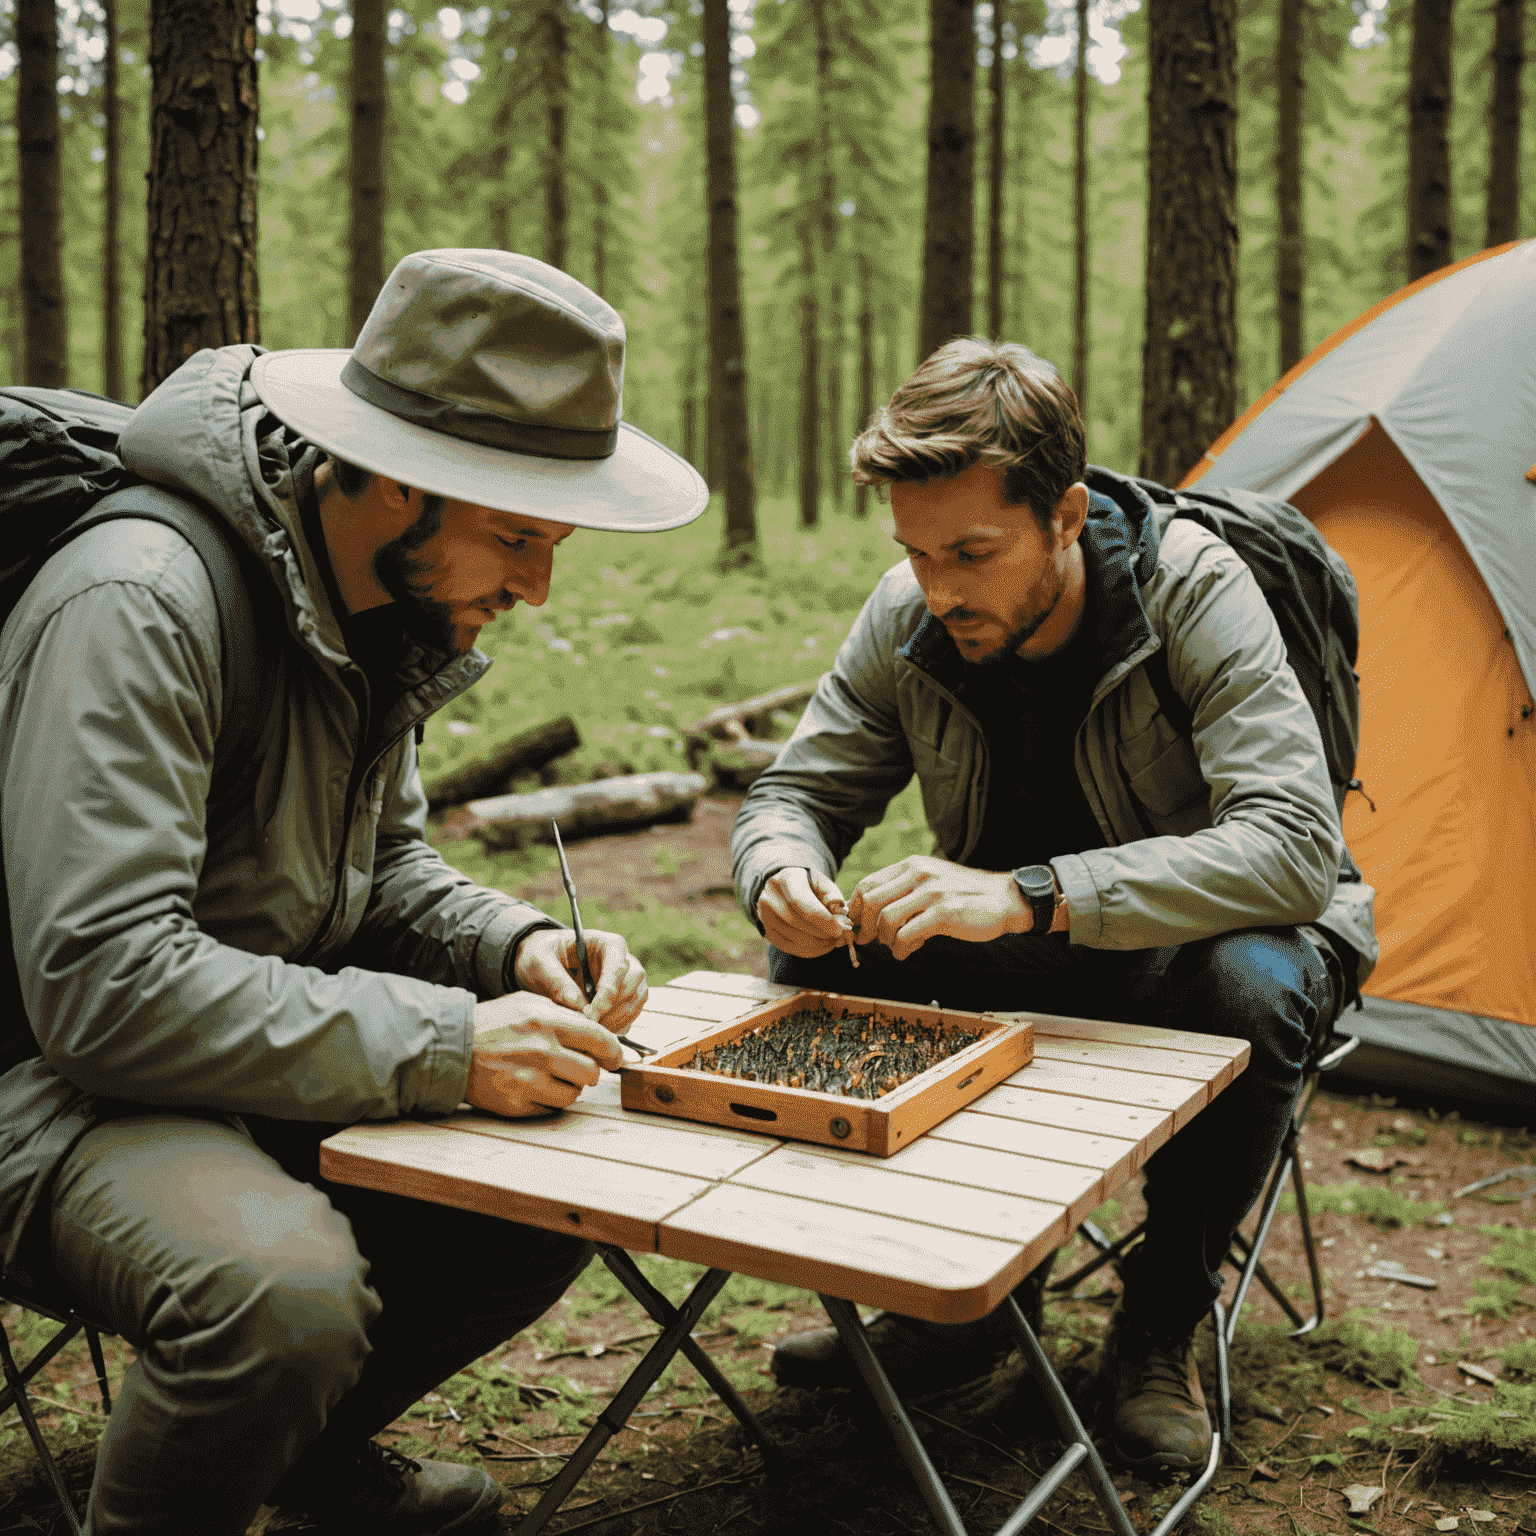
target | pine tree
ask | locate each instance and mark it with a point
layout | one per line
(949, 218)
(1503, 220)
(1189, 366)
(1429, 149)
(368, 99)
(45, 328)
(1080, 270)
(731, 443)
(1290, 256)
(201, 286)
(997, 141)
(113, 383)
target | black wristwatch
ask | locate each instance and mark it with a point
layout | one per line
(1037, 885)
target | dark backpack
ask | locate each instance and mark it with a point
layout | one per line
(59, 475)
(1310, 591)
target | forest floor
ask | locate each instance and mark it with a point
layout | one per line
(1428, 1395)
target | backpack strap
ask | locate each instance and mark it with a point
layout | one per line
(1178, 713)
(251, 634)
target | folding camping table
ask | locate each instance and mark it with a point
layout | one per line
(943, 1230)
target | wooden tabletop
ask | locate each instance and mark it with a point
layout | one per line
(941, 1230)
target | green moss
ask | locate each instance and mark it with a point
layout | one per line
(1520, 1359)
(1375, 1202)
(1495, 1298)
(1463, 1437)
(1515, 1253)
(1382, 1357)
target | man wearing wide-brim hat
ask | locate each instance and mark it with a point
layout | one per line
(208, 1009)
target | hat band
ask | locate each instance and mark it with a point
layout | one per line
(483, 427)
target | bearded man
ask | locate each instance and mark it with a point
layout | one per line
(1092, 860)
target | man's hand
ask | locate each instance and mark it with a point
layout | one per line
(531, 1055)
(548, 965)
(801, 912)
(908, 903)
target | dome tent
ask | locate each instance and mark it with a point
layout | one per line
(1408, 438)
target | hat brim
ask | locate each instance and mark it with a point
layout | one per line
(642, 487)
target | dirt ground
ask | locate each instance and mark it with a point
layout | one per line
(1304, 1430)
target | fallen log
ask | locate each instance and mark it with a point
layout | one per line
(750, 717)
(489, 769)
(738, 764)
(605, 805)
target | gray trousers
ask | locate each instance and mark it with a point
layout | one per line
(280, 1320)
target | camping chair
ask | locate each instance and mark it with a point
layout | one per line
(1324, 1053)
(15, 1390)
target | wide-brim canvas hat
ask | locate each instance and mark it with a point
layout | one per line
(488, 377)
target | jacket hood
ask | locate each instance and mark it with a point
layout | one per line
(1120, 542)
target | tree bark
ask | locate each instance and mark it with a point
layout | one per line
(605, 805)
(44, 316)
(1080, 214)
(557, 87)
(866, 371)
(599, 183)
(828, 221)
(1504, 123)
(368, 96)
(113, 384)
(949, 213)
(730, 439)
(808, 435)
(1189, 357)
(1290, 251)
(200, 285)
(995, 181)
(1429, 145)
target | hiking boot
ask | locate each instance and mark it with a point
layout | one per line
(918, 1357)
(387, 1494)
(1159, 1422)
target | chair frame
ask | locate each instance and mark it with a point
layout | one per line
(14, 1392)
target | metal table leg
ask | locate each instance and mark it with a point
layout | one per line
(663, 1312)
(614, 1417)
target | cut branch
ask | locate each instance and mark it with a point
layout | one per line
(488, 771)
(607, 805)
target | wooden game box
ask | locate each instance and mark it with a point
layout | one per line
(881, 1126)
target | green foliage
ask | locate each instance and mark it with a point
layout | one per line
(1495, 1298)
(1467, 1437)
(1377, 1203)
(1515, 1252)
(1380, 1356)
(1520, 1359)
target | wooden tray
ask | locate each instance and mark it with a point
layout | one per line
(882, 1126)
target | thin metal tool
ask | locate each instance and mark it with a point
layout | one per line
(588, 986)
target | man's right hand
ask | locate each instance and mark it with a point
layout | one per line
(531, 1055)
(801, 911)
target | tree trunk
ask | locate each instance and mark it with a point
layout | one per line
(808, 437)
(836, 447)
(866, 372)
(730, 440)
(606, 805)
(1189, 357)
(828, 219)
(1429, 145)
(1290, 252)
(995, 177)
(200, 287)
(599, 183)
(557, 87)
(500, 207)
(113, 385)
(369, 98)
(44, 319)
(949, 212)
(488, 771)
(1080, 213)
(1504, 123)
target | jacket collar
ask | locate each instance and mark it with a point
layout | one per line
(1120, 543)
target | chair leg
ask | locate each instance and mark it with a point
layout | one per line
(16, 1384)
(1304, 1217)
(1109, 1253)
(93, 1343)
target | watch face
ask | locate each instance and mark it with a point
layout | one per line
(1035, 881)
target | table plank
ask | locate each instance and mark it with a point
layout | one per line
(706, 1007)
(562, 1191)
(873, 1185)
(1150, 1035)
(1177, 1094)
(647, 1142)
(1080, 1190)
(862, 1256)
(1094, 1117)
(1216, 1070)
(1111, 1156)
(731, 985)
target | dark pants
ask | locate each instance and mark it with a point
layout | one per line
(1267, 986)
(280, 1320)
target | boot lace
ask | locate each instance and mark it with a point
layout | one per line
(390, 1462)
(1165, 1370)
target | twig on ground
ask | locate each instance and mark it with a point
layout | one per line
(53, 1402)
(633, 1509)
(1007, 1493)
(1287, 1435)
(990, 1444)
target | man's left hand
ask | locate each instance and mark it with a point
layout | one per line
(908, 903)
(547, 963)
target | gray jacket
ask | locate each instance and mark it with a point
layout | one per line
(319, 961)
(1234, 829)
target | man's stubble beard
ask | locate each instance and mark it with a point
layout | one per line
(407, 578)
(1023, 631)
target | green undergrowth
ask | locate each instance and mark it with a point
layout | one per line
(1457, 1436)
(1377, 1203)
(1519, 1360)
(1515, 1253)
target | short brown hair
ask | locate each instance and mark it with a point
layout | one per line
(979, 402)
